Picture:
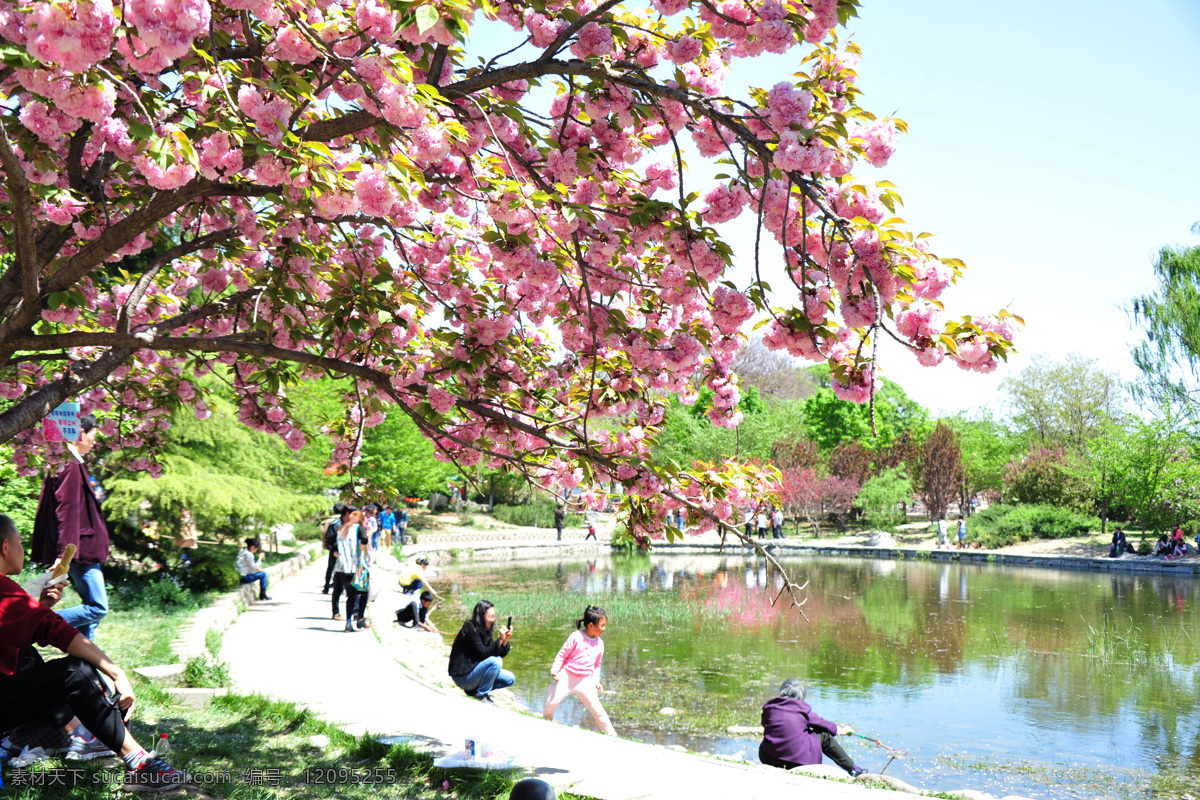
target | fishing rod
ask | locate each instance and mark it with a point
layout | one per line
(892, 751)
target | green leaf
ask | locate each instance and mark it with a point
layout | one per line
(427, 17)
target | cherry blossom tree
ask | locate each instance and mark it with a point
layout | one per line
(504, 248)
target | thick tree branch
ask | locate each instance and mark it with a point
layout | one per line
(78, 377)
(23, 225)
(328, 129)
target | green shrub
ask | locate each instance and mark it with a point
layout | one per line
(212, 575)
(1002, 525)
(148, 590)
(539, 513)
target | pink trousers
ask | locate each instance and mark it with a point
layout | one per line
(584, 687)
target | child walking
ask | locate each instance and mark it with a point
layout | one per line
(577, 669)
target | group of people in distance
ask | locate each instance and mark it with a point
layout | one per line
(765, 518)
(943, 536)
(1169, 547)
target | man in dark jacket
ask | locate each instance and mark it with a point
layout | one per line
(794, 736)
(331, 532)
(476, 659)
(68, 513)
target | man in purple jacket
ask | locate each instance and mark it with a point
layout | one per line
(68, 513)
(794, 736)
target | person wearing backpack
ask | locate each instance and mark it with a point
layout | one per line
(331, 532)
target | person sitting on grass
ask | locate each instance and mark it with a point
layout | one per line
(249, 566)
(415, 612)
(794, 736)
(65, 688)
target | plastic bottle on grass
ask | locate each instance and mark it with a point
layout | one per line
(164, 745)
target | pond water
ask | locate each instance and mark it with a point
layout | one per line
(1013, 681)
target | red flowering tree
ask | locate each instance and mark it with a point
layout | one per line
(807, 493)
(941, 470)
(504, 248)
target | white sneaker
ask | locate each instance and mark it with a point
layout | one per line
(86, 749)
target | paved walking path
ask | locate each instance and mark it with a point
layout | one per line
(290, 649)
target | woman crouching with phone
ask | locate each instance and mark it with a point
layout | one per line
(476, 659)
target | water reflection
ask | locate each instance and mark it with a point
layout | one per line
(963, 665)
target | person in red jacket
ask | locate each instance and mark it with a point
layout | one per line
(794, 736)
(65, 688)
(68, 513)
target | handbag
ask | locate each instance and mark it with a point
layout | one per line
(362, 581)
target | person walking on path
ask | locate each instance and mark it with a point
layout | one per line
(794, 736)
(576, 669)
(476, 659)
(65, 688)
(777, 523)
(942, 533)
(371, 525)
(962, 531)
(249, 566)
(387, 522)
(560, 516)
(348, 556)
(591, 531)
(402, 524)
(342, 511)
(69, 513)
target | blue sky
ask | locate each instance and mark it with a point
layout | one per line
(1052, 145)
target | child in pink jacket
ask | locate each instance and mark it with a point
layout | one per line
(577, 669)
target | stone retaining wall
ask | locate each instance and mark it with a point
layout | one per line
(439, 552)
(189, 643)
(1189, 567)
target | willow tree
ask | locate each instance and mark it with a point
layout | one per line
(504, 246)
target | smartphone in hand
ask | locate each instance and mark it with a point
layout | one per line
(510, 623)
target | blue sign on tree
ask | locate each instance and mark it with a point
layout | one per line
(62, 424)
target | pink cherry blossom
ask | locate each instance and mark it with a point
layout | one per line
(71, 35)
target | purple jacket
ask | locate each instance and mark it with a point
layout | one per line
(69, 514)
(787, 731)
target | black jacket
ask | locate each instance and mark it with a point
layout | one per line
(472, 646)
